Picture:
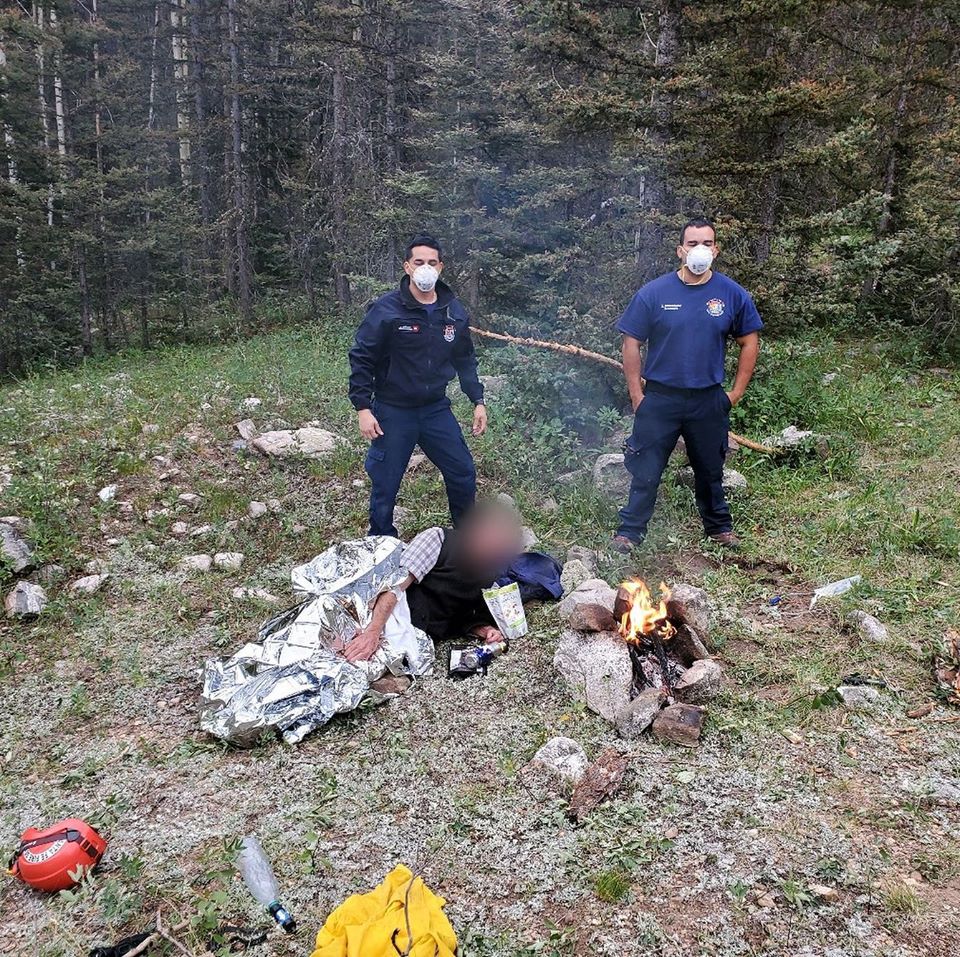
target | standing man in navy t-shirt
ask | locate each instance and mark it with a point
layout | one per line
(685, 319)
(410, 345)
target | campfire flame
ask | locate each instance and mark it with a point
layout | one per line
(643, 617)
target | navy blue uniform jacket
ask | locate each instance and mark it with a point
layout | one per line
(405, 356)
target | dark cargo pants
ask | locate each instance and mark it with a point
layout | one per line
(702, 417)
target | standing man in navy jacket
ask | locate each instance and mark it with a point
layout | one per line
(685, 318)
(411, 343)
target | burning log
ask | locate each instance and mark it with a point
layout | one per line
(646, 623)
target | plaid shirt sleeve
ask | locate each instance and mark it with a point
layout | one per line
(422, 553)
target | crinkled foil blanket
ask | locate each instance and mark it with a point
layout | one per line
(291, 679)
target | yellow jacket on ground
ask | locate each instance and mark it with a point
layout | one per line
(374, 925)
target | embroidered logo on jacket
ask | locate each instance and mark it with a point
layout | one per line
(408, 327)
(715, 307)
(449, 332)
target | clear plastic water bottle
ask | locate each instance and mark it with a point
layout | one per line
(258, 875)
(470, 661)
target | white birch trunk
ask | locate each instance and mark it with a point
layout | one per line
(181, 72)
(40, 20)
(58, 97)
(13, 178)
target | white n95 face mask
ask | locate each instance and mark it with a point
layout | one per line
(425, 277)
(699, 259)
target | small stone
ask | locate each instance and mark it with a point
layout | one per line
(201, 530)
(416, 460)
(766, 901)
(549, 505)
(574, 573)
(792, 736)
(585, 555)
(246, 428)
(597, 669)
(50, 574)
(25, 600)
(828, 895)
(228, 561)
(638, 715)
(358, 483)
(96, 566)
(299, 529)
(15, 547)
(257, 509)
(858, 697)
(261, 594)
(589, 617)
(493, 386)
(149, 428)
(108, 493)
(733, 481)
(792, 438)
(251, 403)
(308, 441)
(593, 591)
(89, 584)
(564, 757)
(179, 528)
(275, 505)
(189, 498)
(610, 475)
(672, 832)
(528, 538)
(869, 627)
(679, 724)
(196, 563)
(701, 682)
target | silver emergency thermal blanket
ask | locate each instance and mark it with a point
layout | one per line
(293, 678)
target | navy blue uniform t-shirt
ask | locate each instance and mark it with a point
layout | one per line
(686, 327)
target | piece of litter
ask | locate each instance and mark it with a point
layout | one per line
(835, 588)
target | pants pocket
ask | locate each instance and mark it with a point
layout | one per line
(375, 456)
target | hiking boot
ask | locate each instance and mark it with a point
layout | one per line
(725, 539)
(623, 545)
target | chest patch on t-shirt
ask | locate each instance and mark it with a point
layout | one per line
(715, 307)
(408, 327)
(670, 306)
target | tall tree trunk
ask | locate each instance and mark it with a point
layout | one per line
(13, 175)
(39, 19)
(391, 133)
(201, 171)
(338, 160)
(244, 270)
(181, 70)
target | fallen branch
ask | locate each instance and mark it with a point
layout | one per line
(597, 357)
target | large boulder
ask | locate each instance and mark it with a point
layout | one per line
(25, 600)
(610, 475)
(589, 607)
(15, 547)
(597, 669)
(804, 441)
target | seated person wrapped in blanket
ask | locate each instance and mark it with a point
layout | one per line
(370, 608)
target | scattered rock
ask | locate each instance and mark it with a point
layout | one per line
(549, 505)
(228, 561)
(680, 724)
(687, 646)
(766, 901)
(564, 757)
(600, 780)
(201, 530)
(189, 498)
(15, 547)
(50, 574)
(858, 697)
(261, 594)
(504, 499)
(257, 509)
(597, 669)
(590, 617)
(828, 377)
(638, 715)
(251, 403)
(869, 627)
(149, 428)
(96, 566)
(196, 563)
(89, 584)
(592, 591)
(391, 685)
(493, 385)
(733, 481)
(528, 538)
(799, 440)
(416, 460)
(829, 895)
(610, 476)
(701, 682)
(308, 441)
(108, 493)
(179, 528)
(582, 554)
(574, 573)
(25, 600)
(246, 428)
(568, 478)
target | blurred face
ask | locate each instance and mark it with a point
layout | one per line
(490, 541)
(697, 236)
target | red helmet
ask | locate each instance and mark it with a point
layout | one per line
(57, 858)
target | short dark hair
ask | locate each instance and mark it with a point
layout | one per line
(698, 222)
(423, 239)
